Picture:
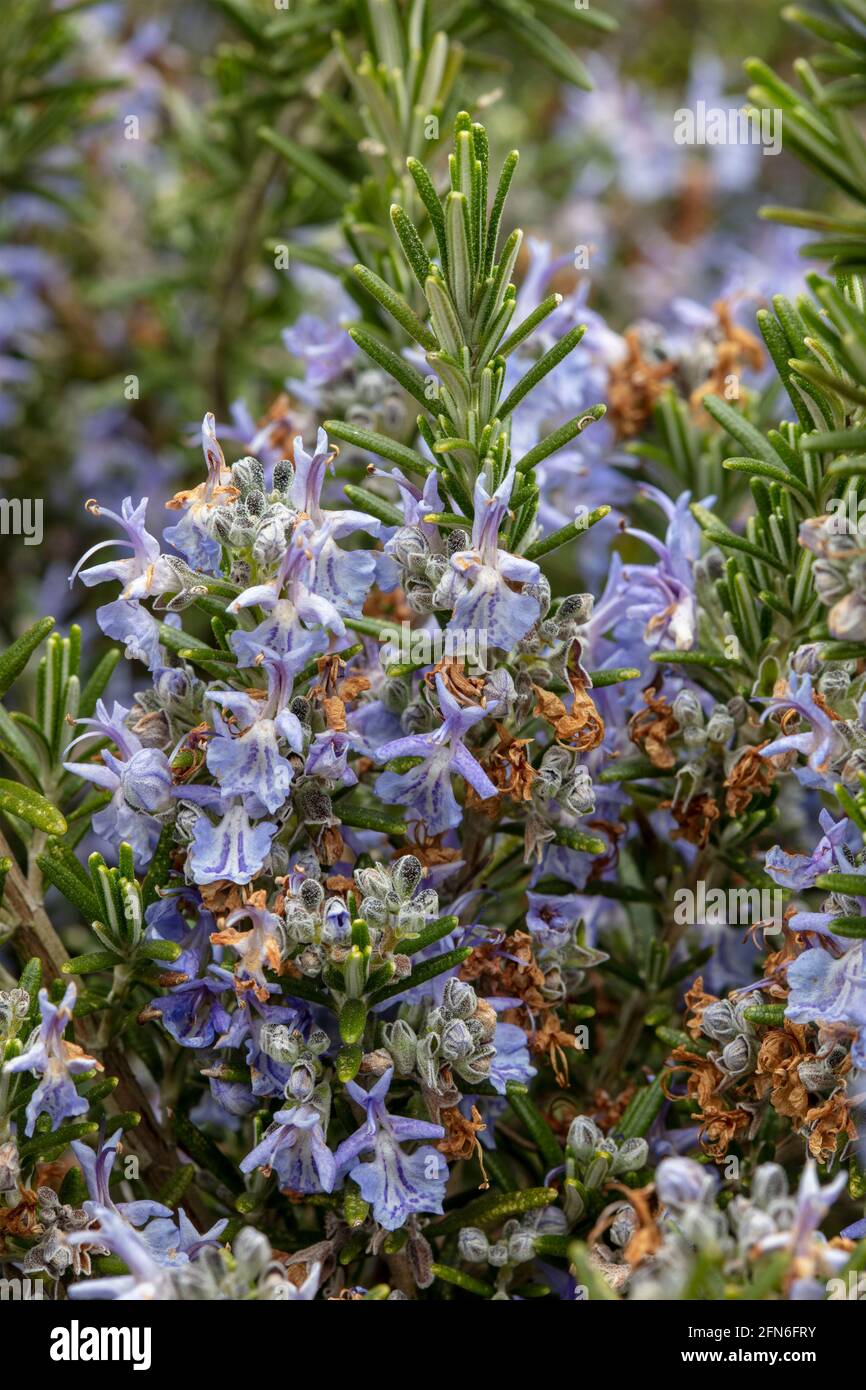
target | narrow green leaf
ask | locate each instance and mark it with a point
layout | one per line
(30, 806)
(430, 199)
(529, 324)
(433, 932)
(579, 840)
(540, 370)
(413, 246)
(771, 1014)
(739, 428)
(397, 307)
(374, 505)
(348, 1063)
(55, 1139)
(697, 658)
(849, 927)
(91, 962)
(854, 885)
(547, 47)
(560, 438)
(205, 1152)
(535, 1124)
(461, 1280)
(641, 1110)
(366, 818)
(16, 656)
(60, 867)
(379, 444)
(159, 950)
(495, 218)
(493, 1209)
(171, 1193)
(602, 679)
(391, 362)
(353, 1020)
(566, 534)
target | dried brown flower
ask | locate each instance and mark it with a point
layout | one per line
(633, 387)
(653, 727)
(695, 818)
(751, 775)
(582, 727)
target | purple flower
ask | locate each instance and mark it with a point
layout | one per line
(146, 1279)
(342, 577)
(483, 600)
(325, 349)
(827, 989)
(801, 870)
(146, 573)
(139, 779)
(285, 632)
(426, 790)
(193, 1012)
(166, 922)
(191, 536)
(234, 848)
(269, 1077)
(281, 635)
(812, 1204)
(552, 918)
(416, 502)
(511, 1062)
(661, 596)
(245, 758)
(294, 1147)
(56, 1062)
(174, 1240)
(328, 758)
(395, 1183)
(820, 745)
(682, 1183)
(96, 1165)
(127, 621)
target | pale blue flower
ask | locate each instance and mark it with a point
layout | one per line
(820, 745)
(138, 778)
(234, 848)
(395, 1183)
(801, 870)
(245, 756)
(479, 585)
(294, 1147)
(828, 989)
(55, 1062)
(511, 1062)
(192, 536)
(425, 790)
